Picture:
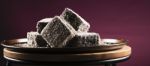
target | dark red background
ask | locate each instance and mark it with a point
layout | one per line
(129, 19)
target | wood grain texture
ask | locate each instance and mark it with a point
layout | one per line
(125, 51)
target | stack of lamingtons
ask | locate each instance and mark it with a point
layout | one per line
(67, 30)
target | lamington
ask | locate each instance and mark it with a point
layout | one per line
(78, 23)
(42, 23)
(35, 40)
(90, 39)
(58, 32)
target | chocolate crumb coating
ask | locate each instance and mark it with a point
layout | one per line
(42, 23)
(58, 32)
(78, 23)
(84, 40)
(35, 40)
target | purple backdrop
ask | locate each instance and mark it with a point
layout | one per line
(129, 19)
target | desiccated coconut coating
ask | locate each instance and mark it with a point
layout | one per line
(78, 23)
(42, 23)
(35, 40)
(84, 40)
(58, 32)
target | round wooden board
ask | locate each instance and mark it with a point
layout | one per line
(20, 45)
(123, 52)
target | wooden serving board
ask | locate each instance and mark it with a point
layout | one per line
(20, 45)
(123, 52)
